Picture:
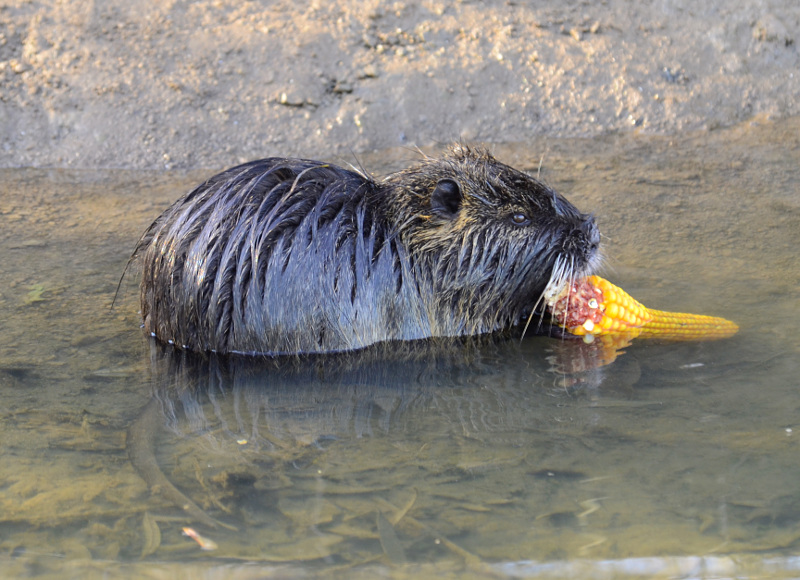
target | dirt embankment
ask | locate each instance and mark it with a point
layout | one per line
(153, 84)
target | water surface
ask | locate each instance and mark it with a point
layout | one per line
(480, 460)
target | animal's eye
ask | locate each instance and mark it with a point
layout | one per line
(519, 219)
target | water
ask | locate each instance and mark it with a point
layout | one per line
(675, 460)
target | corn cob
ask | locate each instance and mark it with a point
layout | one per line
(594, 306)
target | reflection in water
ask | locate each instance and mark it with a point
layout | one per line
(343, 449)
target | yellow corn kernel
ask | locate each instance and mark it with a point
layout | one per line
(682, 326)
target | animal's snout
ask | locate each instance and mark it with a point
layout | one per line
(591, 233)
(582, 239)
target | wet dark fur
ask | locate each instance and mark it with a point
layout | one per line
(299, 256)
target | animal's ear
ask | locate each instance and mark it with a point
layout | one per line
(446, 198)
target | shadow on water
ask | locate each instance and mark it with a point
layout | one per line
(468, 458)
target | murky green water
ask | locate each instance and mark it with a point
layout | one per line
(480, 461)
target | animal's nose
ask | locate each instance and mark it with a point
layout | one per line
(583, 237)
(592, 234)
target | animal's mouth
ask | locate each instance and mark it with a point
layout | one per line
(554, 290)
(562, 276)
(575, 254)
(578, 258)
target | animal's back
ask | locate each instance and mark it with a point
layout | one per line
(277, 256)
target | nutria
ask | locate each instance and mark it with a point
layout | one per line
(282, 256)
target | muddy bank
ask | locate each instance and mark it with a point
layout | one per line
(145, 84)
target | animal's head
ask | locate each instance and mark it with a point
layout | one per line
(492, 237)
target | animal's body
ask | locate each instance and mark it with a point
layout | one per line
(296, 256)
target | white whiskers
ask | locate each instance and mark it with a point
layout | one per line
(561, 277)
